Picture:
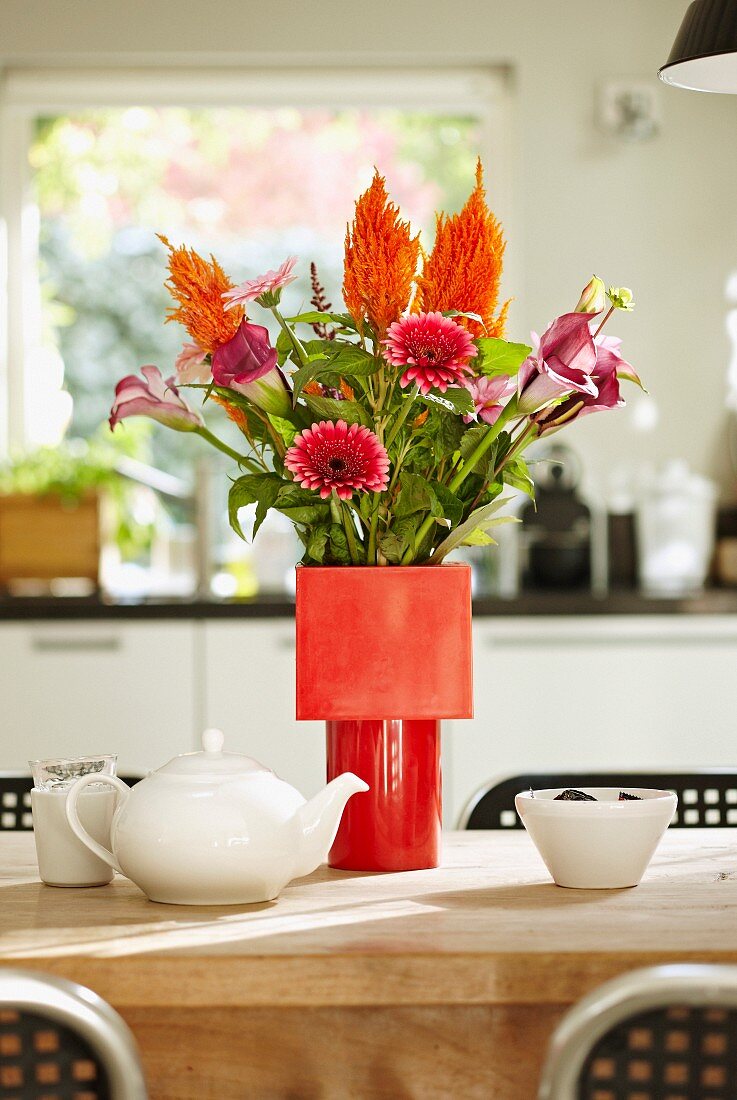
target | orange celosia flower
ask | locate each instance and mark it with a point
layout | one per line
(380, 260)
(235, 413)
(198, 287)
(464, 269)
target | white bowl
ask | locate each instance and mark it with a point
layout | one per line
(602, 845)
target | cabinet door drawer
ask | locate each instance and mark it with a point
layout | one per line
(71, 689)
(250, 695)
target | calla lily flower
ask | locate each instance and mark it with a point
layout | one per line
(563, 363)
(593, 297)
(608, 351)
(581, 404)
(153, 397)
(248, 365)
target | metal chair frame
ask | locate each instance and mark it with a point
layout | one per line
(73, 1006)
(705, 986)
(701, 781)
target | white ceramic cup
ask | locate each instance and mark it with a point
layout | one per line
(62, 859)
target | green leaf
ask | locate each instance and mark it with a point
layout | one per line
(301, 505)
(283, 347)
(348, 361)
(312, 317)
(450, 431)
(339, 551)
(261, 489)
(393, 546)
(416, 495)
(353, 362)
(499, 356)
(451, 505)
(327, 408)
(472, 438)
(456, 399)
(480, 538)
(459, 313)
(316, 544)
(285, 428)
(516, 474)
(481, 519)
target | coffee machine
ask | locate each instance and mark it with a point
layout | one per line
(559, 533)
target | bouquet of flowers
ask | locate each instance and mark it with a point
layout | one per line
(387, 432)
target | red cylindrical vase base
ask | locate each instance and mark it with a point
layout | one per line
(395, 825)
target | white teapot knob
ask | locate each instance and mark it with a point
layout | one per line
(212, 740)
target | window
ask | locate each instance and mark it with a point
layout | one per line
(253, 167)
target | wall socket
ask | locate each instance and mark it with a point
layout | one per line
(629, 108)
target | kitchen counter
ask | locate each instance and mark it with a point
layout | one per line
(716, 601)
(429, 983)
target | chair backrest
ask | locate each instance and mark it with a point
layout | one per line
(706, 799)
(15, 800)
(662, 1033)
(60, 1041)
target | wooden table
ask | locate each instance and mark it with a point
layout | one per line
(427, 984)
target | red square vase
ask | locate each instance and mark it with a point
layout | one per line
(384, 642)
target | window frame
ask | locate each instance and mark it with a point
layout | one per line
(26, 93)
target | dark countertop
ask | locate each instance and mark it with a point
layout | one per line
(623, 602)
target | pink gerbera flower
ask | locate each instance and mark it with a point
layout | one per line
(434, 349)
(331, 456)
(191, 365)
(490, 395)
(265, 284)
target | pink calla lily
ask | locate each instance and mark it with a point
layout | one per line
(248, 365)
(564, 363)
(153, 397)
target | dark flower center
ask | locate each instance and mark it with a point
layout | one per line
(337, 465)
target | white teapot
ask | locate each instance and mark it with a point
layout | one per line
(215, 828)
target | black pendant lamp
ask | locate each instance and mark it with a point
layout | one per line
(704, 54)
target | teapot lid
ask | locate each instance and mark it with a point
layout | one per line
(212, 760)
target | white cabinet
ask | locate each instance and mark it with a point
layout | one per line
(609, 693)
(72, 688)
(250, 695)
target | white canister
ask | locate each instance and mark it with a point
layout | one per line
(676, 523)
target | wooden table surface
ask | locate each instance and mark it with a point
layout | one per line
(428, 983)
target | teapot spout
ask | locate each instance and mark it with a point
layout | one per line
(318, 821)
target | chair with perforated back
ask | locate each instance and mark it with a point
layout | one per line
(15, 800)
(662, 1033)
(60, 1041)
(706, 798)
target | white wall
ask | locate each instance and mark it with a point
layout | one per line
(659, 216)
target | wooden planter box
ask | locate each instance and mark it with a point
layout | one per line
(44, 537)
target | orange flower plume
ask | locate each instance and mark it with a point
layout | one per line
(198, 287)
(236, 414)
(380, 260)
(464, 269)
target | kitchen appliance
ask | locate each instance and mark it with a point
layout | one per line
(557, 536)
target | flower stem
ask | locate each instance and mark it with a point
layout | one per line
(606, 317)
(350, 534)
(401, 418)
(292, 337)
(218, 443)
(462, 473)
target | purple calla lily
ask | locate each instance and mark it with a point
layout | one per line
(248, 365)
(153, 397)
(564, 363)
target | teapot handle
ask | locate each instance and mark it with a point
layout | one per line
(73, 815)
